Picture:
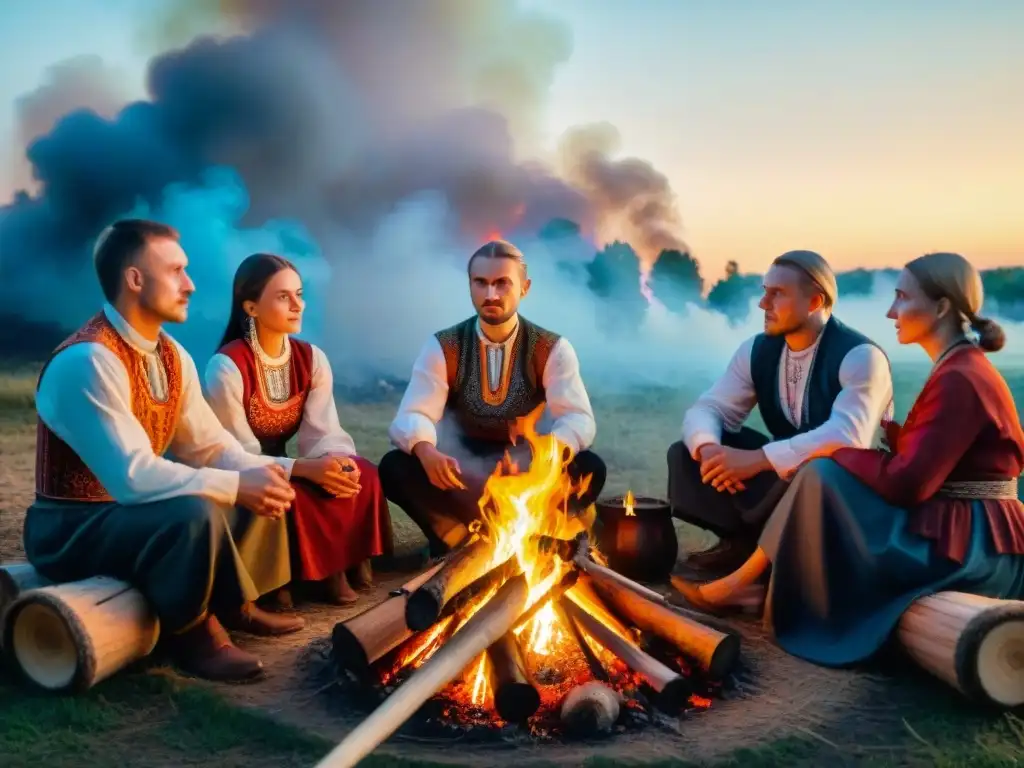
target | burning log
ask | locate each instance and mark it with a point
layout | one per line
(673, 691)
(584, 595)
(480, 588)
(483, 629)
(716, 652)
(973, 643)
(596, 668)
(360, 641)
(590, 708)
(515, 695)
(463, 567)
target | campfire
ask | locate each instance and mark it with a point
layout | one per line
(524, 624)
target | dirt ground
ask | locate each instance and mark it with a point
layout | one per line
(775, 697)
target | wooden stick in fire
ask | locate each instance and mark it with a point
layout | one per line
(359, 641)
(596, 668)
(716, 652)
(484, 628)
(672, 689)
(516, 697)
(462, 568)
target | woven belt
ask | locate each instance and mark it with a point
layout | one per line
(979, 489)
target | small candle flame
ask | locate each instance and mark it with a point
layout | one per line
(628, 504)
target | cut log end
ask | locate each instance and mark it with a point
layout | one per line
(725, 657)
(590, 709)
(1000, 664)
(75, 635)
(348, 651)
(516, 702)
(422, 609)
(44, 647)
(973, 643)
(673, 697)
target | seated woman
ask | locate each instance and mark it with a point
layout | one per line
(266, 387)
(860, 536)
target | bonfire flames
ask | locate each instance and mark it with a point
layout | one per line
(564, 634)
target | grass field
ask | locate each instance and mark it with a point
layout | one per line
(155, 719)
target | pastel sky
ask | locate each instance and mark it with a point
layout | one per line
(871, 131)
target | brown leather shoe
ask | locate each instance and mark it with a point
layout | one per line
(726, 556)
(206, 651)
(255, 621)
(282, 600)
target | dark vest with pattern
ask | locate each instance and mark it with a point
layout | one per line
(823, 385)
(472, 410)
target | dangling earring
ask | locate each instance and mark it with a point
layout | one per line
(250, 331)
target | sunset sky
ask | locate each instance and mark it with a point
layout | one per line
(870, 131)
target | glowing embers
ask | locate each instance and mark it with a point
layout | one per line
(522, 626)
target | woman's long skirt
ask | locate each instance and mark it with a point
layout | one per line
(845, 567)
(331, 534)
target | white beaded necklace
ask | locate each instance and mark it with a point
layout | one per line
(275, 372)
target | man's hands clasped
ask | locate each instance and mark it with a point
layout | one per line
(265, 490)
(726, 469)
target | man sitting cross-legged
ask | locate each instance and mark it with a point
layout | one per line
(112, 399)
(470, 383)
(818, 384)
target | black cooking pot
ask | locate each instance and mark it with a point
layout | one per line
(642, 546)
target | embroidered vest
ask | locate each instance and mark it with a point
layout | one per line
(472, 410)
(60, 473)
(822, 387)
(273, 424)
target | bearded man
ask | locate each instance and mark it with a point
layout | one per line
(200, 536)
(468, 386)
(818, 385)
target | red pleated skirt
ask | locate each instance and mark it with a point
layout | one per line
(332, 534)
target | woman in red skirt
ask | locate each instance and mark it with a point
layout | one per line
(267, 387)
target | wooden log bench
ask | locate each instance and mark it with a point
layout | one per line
(69, 637)
(72, 636)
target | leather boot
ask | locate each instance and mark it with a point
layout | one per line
(255, 621)
(206, 651)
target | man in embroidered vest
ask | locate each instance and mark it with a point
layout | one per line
(470, 382)
(111, 400)
(818, 385)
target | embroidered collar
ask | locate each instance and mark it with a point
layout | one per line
(497, 344)
(126, 332)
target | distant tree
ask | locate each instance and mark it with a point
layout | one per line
(732, 295)
(675, 280)
(1004, 285)
(857, 282)
(614, 277)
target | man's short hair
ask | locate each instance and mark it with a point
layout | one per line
(814, 270)
(498, 249)
(119, 245)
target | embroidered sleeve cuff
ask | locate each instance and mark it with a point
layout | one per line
(784, 460)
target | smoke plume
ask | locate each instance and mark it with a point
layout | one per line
(375, 142)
